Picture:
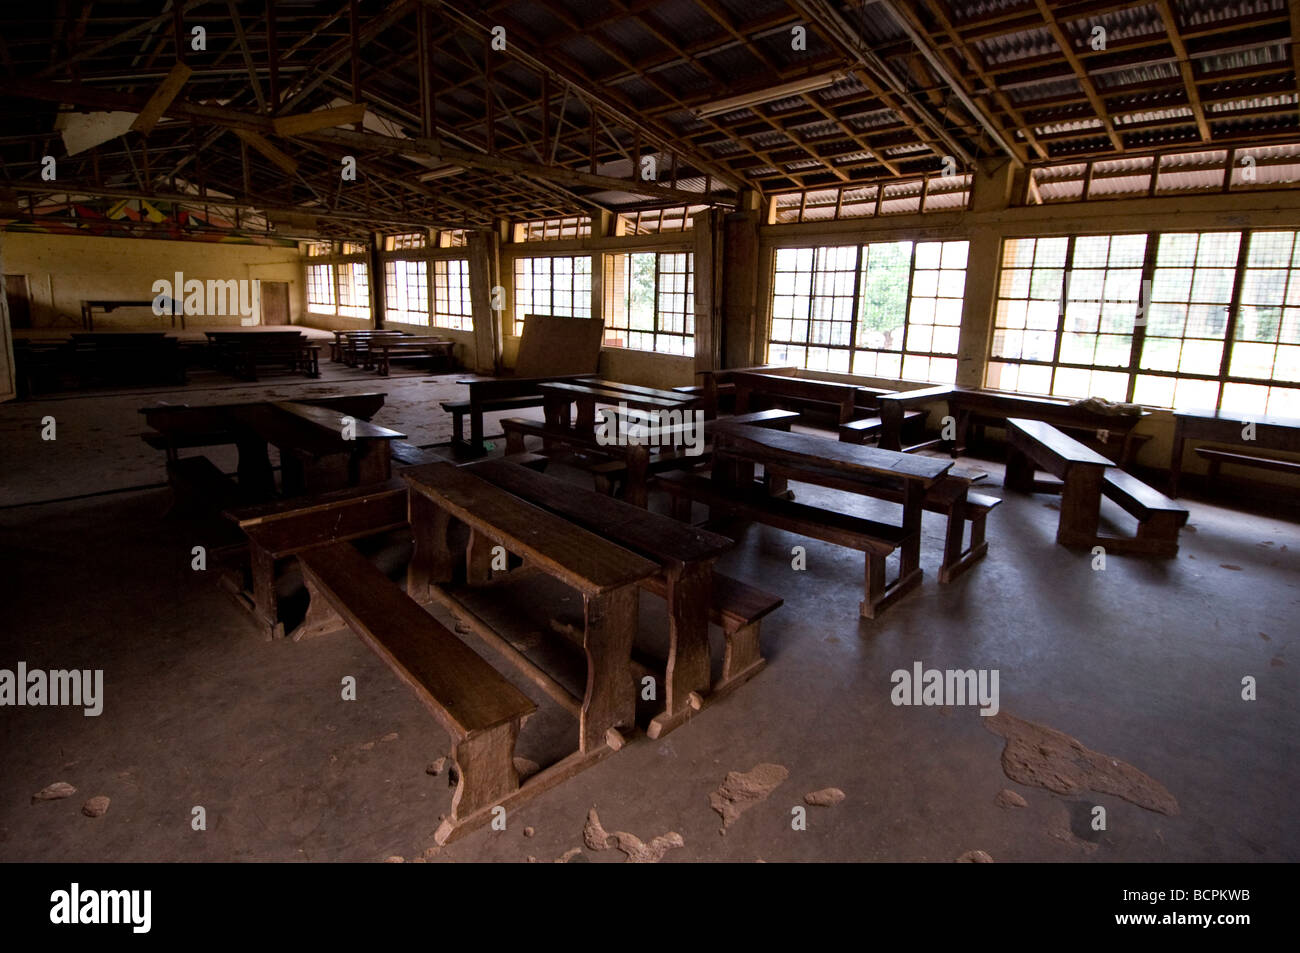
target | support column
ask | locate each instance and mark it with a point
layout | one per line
(484, 274)
(375, 265)
(740, 263)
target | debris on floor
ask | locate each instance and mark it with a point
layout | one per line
(1041, 757)
(1009, 798)
(52, 792)
(975, 857)
(435, 767)
(638, 852)
(826, 797)
(741, 791)
(96, 806)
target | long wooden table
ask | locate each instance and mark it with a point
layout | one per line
(737, 448)
(685, 556)
(969, 405)
(1270, 433)
(606, 575)
(318, 452)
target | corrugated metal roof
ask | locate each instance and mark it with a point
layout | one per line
(1197, 13)
(1011, 47)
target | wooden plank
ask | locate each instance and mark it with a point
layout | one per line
(462, 690)
(247, 516)
(319, 119)
(161, 98)
(330, 420)
(269, 150)
(1060, 449)
(1138, 498)
(574, 555)
(661, 538)
(796, 449)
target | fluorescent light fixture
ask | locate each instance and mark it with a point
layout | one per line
(746, 100)
(441, 172)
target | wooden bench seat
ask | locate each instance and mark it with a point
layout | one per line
(1159, 518)
(738, 609)
(874, 539)
(944, 498)
(1217, 457)
(381, 355)
(859, 431)
(460, 409)
(475, 704)
(286, 528)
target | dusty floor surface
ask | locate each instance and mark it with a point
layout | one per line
(1143, 662)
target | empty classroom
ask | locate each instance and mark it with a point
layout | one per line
(694, 431)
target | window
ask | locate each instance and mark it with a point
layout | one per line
(1066, 315)
(405, 241)
(318, 249)
(406, 291)
(354, 290)
(320, 288)
(554, 229)
(1266, 345)
(1191, 296)
(558, 286)
(888, 309)
(1187, 320)
(650, 301)
(451, 303)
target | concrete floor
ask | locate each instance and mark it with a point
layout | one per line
(1142, 661)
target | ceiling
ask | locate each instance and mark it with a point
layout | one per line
(460, 132)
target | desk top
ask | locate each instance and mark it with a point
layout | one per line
(663, 539)
(1239, 419)
(848, 458)
(563, 549)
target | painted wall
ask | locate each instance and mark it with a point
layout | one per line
(63, 270)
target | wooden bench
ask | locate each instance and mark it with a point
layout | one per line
(1159, 518)
(489, 394)
(475, 704)
(875, 540)
(842, 400)
(286, 528)
(859, 431)
(738, 609)
(717, 387)
(121, 358)
(1086, 476)
(1217, 457)
(696, 594)
(949, 497)
(382, 353)
(242, 353)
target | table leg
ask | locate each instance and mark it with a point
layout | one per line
(610, 698)
(434, 558)
(1176, 458)
(265, 609)
(1080, 505)
(909, 555)
(891, 425)
(638, 469)
(586, 417)
(475, 427)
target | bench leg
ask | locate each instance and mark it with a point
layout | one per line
(880, 595)
(434, 558)
(514, 441)
(457, 427)
(610, 698)
(321, 617)
(1020, 472)
(485, 771)
(638, 466)
(687, 673)
(265, 609)
(742, 657)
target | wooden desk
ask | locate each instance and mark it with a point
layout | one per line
(306, 432)
(1082, 469)
(1271, 433)
(738, 447)
(604, 574)
(969, 405)
(685, 556)
(557, 398)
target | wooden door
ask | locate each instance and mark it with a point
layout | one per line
(275, 302)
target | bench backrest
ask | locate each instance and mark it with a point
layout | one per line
(463, 691)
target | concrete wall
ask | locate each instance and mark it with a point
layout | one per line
(62, 270)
